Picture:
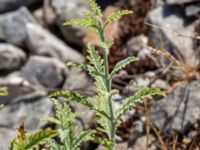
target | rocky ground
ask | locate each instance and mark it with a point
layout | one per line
(34, 47)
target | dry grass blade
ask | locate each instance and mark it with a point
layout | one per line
(188, 73)
(185, 68)
(150, 126)
(175, 138)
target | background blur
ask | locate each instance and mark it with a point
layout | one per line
(34, 47)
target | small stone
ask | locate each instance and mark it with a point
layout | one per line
(13, 26)
(42, 42)
(45, 71)
(11, 57)
(76, 80)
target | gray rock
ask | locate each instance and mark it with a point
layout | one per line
(192, 10)
(45, 71)
(180, 1)
(14, 78)
(11, 57)
(137, 44)
(28, 110)
(178, 109)
(42, 42)
(67, 10)
(173, 21)
(13, 26)
(76, 80)
(7, 5)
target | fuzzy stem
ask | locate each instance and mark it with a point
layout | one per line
(108, 82)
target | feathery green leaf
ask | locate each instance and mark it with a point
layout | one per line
(84, 136)
(117, 15)
(33, 140)
(77, 64)
(77, 97)
(122, 64)
(138, 97)
(80, 22)
(96, 9)
(95, 58)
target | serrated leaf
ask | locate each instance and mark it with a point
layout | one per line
(52, 120)
(77, 97)
(138, 97)
(35, 139)
(117, 15)
(84, 136)
(95, 58)
(52, 145)
(77, 64)
(96, 9)
(105, 142)
(122, 64)
(80, 22)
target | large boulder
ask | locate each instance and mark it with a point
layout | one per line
(11, 57)
(173, 21)
(45, 71)
(12, 26)
(178, 110)
(42, 42)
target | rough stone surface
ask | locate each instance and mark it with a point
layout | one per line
(179, 109)
(42, 42)
(13, 26)
(138, 45)
(13, 78)
(76, 80)
(192, 10)
(45, 71)
(68, 10)
(180, 1)
(7, 5)
(172, 20)
(11, 57)
(28, 110)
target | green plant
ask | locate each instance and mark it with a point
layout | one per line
(66, 122)
(27, 141)
(98, 68)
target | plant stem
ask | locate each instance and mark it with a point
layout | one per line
(108, 82)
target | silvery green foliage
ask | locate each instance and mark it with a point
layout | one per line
(31, 141)
(98, 68)
(65, 120)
